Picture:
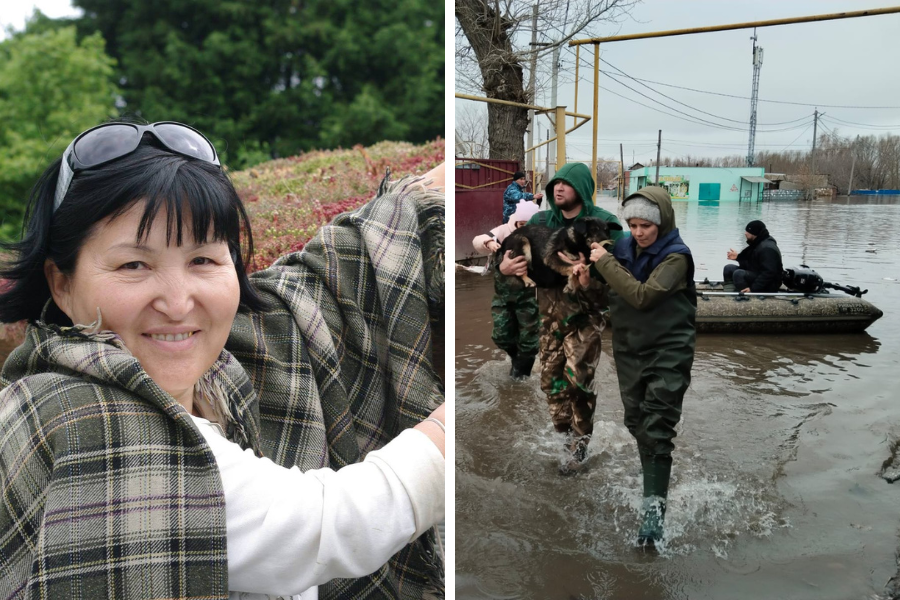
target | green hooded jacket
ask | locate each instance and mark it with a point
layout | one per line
(578, 176)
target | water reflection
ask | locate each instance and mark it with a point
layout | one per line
(783, 362)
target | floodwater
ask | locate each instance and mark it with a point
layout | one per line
(776, 489)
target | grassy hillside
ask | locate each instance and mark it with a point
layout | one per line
(289, 199)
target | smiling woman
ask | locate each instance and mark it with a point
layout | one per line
(171, 305)
(172, 428)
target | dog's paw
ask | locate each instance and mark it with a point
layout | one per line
(529, 282)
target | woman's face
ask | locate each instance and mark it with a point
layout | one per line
(644, 232)
(172, 306)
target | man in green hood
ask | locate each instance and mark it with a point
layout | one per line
(571, 323)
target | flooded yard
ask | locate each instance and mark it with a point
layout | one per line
(777, 489)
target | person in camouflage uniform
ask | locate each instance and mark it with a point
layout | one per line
(514, 307)
(571, 323)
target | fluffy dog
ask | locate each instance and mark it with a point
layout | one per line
(540, 246)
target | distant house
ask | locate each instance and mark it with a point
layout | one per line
(702, 183)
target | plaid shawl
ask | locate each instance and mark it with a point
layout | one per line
(108, 490)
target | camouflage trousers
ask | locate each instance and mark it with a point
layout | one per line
(517, 322)
(572, 325)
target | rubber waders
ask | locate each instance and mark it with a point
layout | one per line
(657, 470)
(577, 448)
(521, 367)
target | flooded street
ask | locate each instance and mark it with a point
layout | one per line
(776, 488)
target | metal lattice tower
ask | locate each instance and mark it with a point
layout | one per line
(757, 65)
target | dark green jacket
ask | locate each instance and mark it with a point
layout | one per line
(579, 177)
(658, 315)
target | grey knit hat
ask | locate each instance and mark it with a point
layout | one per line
(639, 207)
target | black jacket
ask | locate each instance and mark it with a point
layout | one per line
(762, 257)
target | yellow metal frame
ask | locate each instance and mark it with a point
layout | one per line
(559, 117)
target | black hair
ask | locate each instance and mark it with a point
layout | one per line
(150, 174)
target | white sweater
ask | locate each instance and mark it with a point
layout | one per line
(290, 531)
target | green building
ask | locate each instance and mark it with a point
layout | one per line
(703, 183)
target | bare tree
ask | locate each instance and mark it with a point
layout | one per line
(493, 51)
(607, 171)
(471, 132)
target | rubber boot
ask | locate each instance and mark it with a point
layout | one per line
(653, 515)
(522, 366)
(576, 446)
(728, 286)
(512, 362)
(657, 472)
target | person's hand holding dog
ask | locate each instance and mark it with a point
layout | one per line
(579, 268)
(598, 251)
(517, 266)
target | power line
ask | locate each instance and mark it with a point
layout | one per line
(865, 125)
(669, 97)
(680, 87)
(611, 76)
(798, 137)
(690, 118)
(696, 120)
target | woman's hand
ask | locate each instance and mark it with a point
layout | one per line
(437, 174)
(492, 245)
(434, 431)
(597, 252)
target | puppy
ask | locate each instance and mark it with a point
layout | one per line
(540, 246)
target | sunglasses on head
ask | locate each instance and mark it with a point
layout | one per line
(110, 141)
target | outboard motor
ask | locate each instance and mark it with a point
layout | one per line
(803, 280)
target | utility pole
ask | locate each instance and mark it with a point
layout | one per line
(815, 124)
(553, 80)
(621, 172)
(658, 148)
(529, 158)
(852, 166)
(754, 97)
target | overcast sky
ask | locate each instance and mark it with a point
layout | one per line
(832, 65)
(14, 12)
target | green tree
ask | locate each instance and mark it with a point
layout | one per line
(279, 77)
(51, 88)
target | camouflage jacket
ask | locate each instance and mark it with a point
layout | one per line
(108, 488)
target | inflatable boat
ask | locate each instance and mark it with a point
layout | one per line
(719, 311)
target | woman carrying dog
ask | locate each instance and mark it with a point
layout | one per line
(141, 459)
(652, 305)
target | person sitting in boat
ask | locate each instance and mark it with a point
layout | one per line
(653, 308)
(759, 265)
